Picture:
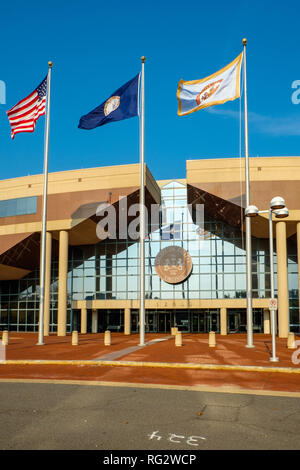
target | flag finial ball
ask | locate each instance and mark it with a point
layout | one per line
(50, 63)
(245, 42)
(143, 59)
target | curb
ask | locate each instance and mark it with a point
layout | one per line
(175, 365)
(227, 389)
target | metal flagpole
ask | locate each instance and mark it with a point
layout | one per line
(248, 220)
(44, 217)
(181, 236)
(150, 266)
(142, 208)
(273, 331)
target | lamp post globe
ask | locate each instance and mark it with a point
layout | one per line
(251, 211)
(281, 213)
(277, 203)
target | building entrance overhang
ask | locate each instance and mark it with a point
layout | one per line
(169, 304)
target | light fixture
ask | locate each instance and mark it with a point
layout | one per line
(277, 203)
(281, 213)
(251, 211)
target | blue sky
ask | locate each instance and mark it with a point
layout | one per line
(96, 47)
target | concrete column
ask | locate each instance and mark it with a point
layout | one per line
(47, 283)
(267, 325)
(62, 283)
(282, 280)
(298, 253)
(94, 321)
(223, 320)
(83, 320)
(127, 329)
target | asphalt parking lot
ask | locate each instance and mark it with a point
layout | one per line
(82, 417)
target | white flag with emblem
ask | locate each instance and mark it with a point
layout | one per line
(218, 88)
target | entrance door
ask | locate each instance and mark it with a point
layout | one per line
(198, 321)
(164, 322)
(115, 320)
(258, 320)
(134, 321)
(205, 320)
(182, 320)
(89, 320)
(233, 322)
(212, 321)
(76, 320)
(150, 322)
(237, 320)
(195, 322)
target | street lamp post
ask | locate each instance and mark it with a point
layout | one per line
(273, 358)
(277, 206)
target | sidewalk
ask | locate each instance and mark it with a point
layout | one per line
(230, 363)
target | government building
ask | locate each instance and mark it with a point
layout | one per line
(92, 284)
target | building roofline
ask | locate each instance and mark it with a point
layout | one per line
(74, 170)
(264, 157)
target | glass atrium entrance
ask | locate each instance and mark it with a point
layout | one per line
(162, 320)
(187, 321)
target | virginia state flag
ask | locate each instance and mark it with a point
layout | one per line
(218, 88)
(122, 104)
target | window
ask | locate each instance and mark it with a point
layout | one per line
(20, 206)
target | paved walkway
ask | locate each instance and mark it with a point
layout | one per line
(124, 352)
(160, 362)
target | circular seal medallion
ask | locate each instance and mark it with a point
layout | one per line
(207, 91)
(173, 264)
(111, 105)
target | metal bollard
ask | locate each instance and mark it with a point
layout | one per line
(5, 338)
(291, 341)
(212, 339)
(74, 338)
(178, 338)
(107, 338)
(174, 330)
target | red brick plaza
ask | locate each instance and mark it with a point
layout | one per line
(229, 364)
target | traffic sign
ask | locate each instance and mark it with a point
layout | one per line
(272, 304)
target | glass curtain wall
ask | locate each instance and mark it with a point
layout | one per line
(110, 270)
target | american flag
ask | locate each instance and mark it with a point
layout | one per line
(23, 115)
